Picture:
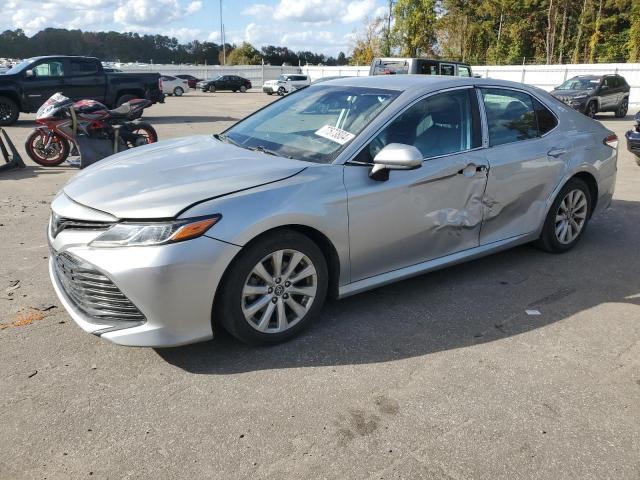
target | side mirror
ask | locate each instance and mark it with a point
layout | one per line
(29, 73)
(604, 87)
(395, 156)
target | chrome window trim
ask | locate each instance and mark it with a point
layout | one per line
(358, 149)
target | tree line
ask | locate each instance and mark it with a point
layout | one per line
(133, 47)
(486, 32)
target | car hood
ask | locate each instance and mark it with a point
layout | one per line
(570, 93)
(163, 179)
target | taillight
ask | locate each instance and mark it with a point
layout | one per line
(611, 141)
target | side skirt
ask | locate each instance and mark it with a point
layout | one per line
(432, 265)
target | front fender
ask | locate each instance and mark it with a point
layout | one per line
(316, 198)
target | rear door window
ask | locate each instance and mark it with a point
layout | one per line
(83, 67)
(447, 69)
(391, 67)
(546, 120)
(510, 116)
(464, 71)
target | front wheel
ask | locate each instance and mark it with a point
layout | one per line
(281, 91)
(622, 109)
(591, 109)
(273, 290)
(567, 219)
(46, 149)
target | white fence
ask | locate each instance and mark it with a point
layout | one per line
(548, 76)
(543, 76)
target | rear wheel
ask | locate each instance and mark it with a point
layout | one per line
(51, 155)
(178, 91)
(243, 88)
(623, 108)
(273, 290)
(567, 219)
(145, 132)
(9, 111)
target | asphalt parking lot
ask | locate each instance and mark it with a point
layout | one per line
(443, 376)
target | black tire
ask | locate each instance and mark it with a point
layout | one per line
(228, 308)
(548, 240)
(269, 93)
(124, 98)
(145, 129)
(623, 108)
(234, 91)
(212, 88)
(9, 112)
(55, 157)
(281, 91)
(243, 89)
(178, 91)
(591, 109)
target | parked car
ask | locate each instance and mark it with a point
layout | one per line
(285, 83)
(173, 85)
(111, 70)
(345, 186)
(190, 79)
(633, 138)
(30, 83)
(418, 66)
(225, 82)
(591, 94)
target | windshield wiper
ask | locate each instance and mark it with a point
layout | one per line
(263, 149)
(224, 138)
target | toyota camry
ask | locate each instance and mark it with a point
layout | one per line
(341, 187)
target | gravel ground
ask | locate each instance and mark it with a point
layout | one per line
(440, 377)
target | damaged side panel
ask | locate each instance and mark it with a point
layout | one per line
(521, 181)
(416, 215)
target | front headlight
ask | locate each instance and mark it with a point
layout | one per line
(127, 234)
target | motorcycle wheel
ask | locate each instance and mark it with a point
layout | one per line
(56, 154)
(145, 134)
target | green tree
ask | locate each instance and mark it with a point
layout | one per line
(633, 44)
(414, 27)
(245, 54)
(366, 43)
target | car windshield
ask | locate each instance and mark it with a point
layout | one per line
(579, 84)
(313, 124)
(21, 66)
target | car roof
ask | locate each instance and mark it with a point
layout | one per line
(420, 83)
(438, 60)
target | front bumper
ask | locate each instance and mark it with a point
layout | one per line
(633, 143)
(578, 105)
(172, 285)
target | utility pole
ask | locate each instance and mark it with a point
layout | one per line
(388, 33)
(224, 47)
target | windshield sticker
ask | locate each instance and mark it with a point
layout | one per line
(335, 134)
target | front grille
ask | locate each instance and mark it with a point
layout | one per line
(61, 223)
(93, 292)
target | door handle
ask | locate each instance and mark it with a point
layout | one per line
(471, 169)
(556, 152)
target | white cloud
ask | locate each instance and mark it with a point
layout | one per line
(358, 10)
(258, 10)
(193, 7)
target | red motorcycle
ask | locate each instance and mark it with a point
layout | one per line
(93, 130)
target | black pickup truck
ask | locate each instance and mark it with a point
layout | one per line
(29, 84)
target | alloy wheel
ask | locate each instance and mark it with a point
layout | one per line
(571, 216)
(279, 291)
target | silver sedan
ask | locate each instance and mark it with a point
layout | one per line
(341, 187)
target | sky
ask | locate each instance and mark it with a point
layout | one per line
(322, 26)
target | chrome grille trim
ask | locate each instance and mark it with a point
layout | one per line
(59, 223)
(92, 292)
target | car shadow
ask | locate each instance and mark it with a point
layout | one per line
(462, 306)
(189, 119)
(31, 171)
